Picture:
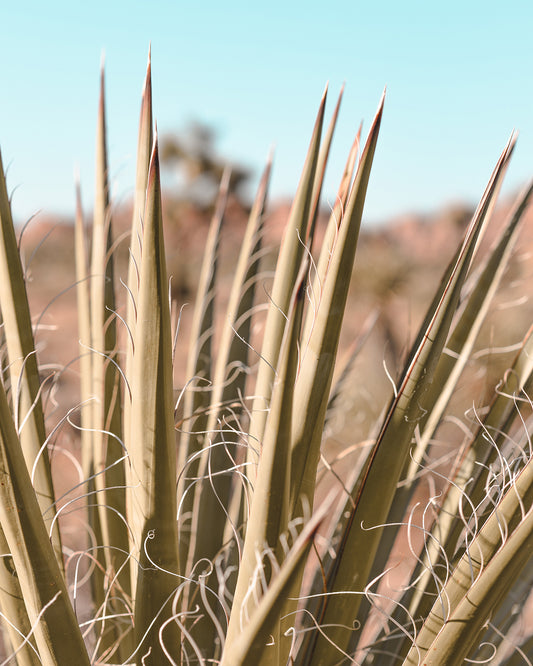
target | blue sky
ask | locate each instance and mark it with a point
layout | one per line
(458, 77)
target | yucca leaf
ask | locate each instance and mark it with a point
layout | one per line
(152, 452)
(233, 358)
(269, 513)
(229, 381)
(55, 629)
(463, 627)
(107, 445)
(330, 237)
(508, 629)
(317, 367)
(23, 368)
(254, 643)
(462, 339)
(373, 495)
(84, 331)
(144, 150)
(497, 555)
(345, 374)
(15, 620)
(222, 426)
(322, 162)
(199, 392)
(98, 580)
(498, 421)
(447, 373)
(318, 358)
(289, 260)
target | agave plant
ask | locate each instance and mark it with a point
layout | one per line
(210, 537)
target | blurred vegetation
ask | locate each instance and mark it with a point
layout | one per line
(192, 156)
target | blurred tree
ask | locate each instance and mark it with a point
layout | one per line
(198, 167)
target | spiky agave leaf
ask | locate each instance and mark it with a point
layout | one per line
(318, 358)
(255, 643)
(322, 162)
(332, 230)
(152, 448)
(18, 632)
(231, 367)
(269, 513)
(472, 470)
(373, 495)
(289, 260)
(199, 393)
(107, 448)
(144, 150)
(51, 617)
(222, 421)
(491, 564)
(84, 331)
(23, 368)
(464, 333)
(447, 374)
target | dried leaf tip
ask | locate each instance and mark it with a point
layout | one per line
(377, 118)
(324, 95)
(382, 100)
(321, 111)
(148, 78)
(512, 141)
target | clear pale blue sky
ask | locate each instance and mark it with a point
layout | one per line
(458, 77)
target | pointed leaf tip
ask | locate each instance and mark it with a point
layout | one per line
(149, 64)
(509, 146)
(382, 100)
(147, 87)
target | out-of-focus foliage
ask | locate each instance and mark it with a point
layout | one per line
(198, 169)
